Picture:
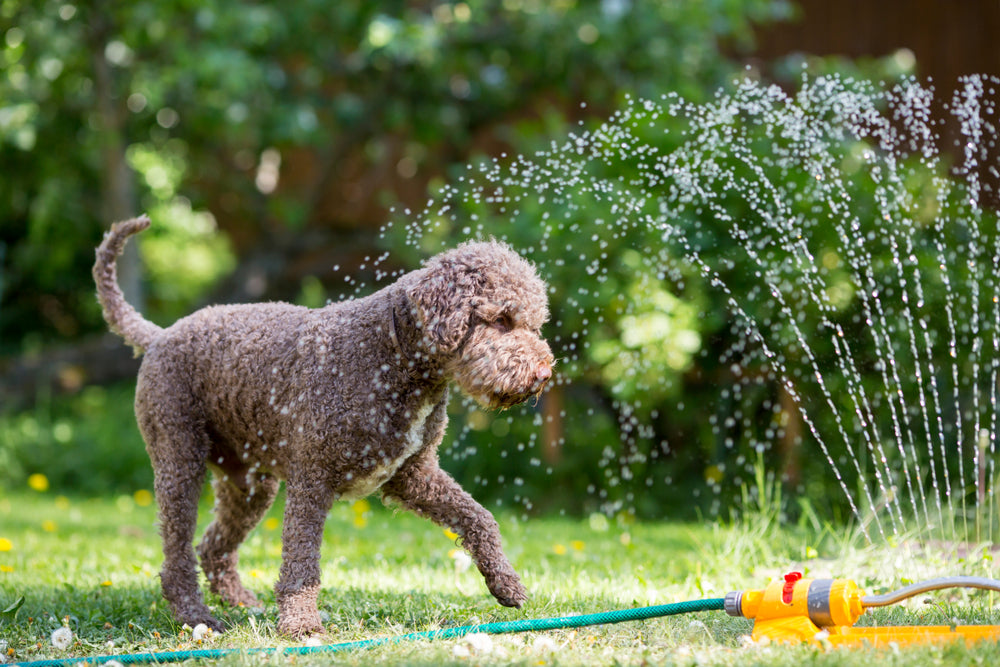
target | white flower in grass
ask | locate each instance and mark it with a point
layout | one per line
(479, 643)
(113, 663)
(62, 638)
(313, 641)
(543, 644)
(461, 559)
(201, 632)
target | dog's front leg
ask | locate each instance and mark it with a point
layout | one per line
(306, 507)
(422, 487)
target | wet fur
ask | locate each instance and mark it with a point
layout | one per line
(339, 402)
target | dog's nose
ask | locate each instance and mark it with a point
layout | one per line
(543, 372)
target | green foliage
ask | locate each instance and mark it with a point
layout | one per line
(208, 101)
(208, 105)
(88, 443)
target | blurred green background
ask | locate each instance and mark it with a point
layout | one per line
(269, 143)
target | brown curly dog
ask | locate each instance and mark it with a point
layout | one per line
(340, 402)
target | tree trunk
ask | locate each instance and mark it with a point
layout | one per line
(118, 200)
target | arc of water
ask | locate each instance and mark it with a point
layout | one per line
(796, 245)
(966, 106)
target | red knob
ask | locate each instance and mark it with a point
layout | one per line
(789, 588)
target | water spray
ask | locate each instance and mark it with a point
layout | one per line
(792, 610)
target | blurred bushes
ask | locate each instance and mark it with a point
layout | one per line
(86, 444)
(661, 405)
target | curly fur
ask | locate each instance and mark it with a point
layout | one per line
(338, 402)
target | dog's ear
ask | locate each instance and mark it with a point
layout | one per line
(444, 302)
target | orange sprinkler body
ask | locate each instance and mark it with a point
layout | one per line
(825, 610)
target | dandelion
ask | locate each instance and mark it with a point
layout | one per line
(577, 545)
(559, 549)
(271, 523)
(461, 559)
(38, 482)
(6, 568)
(106, 583)
(5, 544)
(201, 632)
(451, 535)
(62, 638)
(543, 644)
(479, 643)
(49, 526)
(361, 506)
(143, 498)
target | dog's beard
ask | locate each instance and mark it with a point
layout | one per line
(506, 375)
(503, 400)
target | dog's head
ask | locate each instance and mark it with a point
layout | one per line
(481, 307)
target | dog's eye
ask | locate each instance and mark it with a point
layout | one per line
(503, 324)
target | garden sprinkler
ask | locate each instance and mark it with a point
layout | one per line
(796, 610)
(793, 610)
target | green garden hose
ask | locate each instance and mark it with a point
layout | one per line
(505, 627)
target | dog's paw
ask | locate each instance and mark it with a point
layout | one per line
(508, 590)
(300, 626)
(193, 620)
(240, 597)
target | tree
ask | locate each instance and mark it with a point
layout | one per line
(289, 129)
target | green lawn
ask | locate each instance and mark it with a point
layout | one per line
(92, 564)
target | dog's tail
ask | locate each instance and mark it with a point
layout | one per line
(123, 319)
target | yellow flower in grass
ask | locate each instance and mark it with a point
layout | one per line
(559, 549)
(49, 526)
(6, 568)
(271, 523)
(361, 508)
(5, 544)
(106, 583)
(38, 482)
(577, 545)
(451, 535)
(143, 498)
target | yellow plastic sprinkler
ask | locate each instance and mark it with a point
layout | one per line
(825, 610)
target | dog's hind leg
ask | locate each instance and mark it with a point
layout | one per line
(177, 491)
(241, 499)
(177, 448)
